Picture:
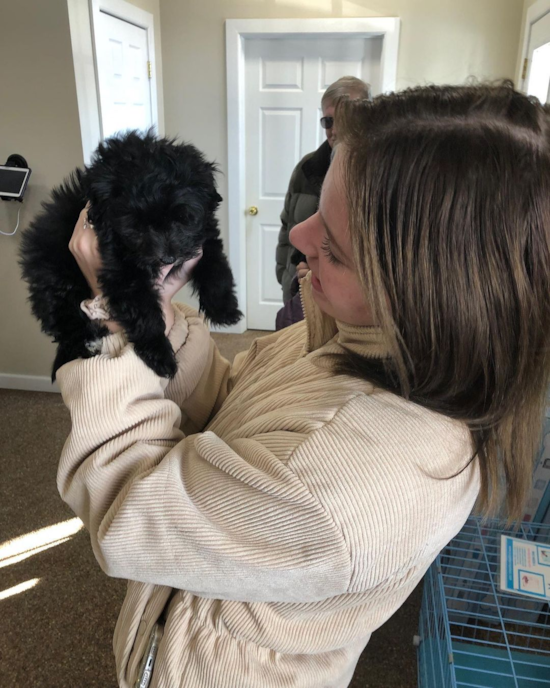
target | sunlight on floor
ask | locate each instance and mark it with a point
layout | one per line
(30, 544)
(10, 592)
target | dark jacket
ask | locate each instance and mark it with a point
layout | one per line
(301, 202)
(292, 312)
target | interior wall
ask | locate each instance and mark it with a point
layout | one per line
(39, 120)
(441, 41)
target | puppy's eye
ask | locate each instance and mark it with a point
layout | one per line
(181, 218)
(187, 219)
(138, 240)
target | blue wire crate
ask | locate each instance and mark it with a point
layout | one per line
(471, 634)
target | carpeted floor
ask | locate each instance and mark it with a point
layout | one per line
(57, 633)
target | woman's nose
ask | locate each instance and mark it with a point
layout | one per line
(301, 237)
(295, 237)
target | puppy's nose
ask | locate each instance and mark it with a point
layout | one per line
(168, 260)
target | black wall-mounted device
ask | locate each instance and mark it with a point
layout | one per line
(14, 177)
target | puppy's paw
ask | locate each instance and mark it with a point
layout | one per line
(159, 356)
(229, 317)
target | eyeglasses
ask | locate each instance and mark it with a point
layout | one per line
(327, 122)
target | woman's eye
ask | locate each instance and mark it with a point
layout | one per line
(325, 247)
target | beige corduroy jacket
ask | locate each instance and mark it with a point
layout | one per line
(274, 514)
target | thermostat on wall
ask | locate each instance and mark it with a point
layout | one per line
(14, 176)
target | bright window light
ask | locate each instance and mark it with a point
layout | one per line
(539, 77)
(30, 544)
(10, 592)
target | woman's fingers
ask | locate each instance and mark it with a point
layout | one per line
(164, 273)
(301, 270)
(75, 241)
(83, 245)
(190, 265)
(171, 282)
(183, 275)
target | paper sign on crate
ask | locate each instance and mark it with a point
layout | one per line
(525, 567)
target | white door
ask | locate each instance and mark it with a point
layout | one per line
(123, 74)
(284, 81)
(538, 75)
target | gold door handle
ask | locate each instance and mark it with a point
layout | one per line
(253, 210)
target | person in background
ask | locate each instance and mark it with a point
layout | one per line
(302, 198)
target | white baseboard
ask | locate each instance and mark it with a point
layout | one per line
(28, 383)
(38, 383)
(239, 328)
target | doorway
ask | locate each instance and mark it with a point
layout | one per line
(123, 74)
(113, 49)
(535, 76)
(285, 80)
(277, 72)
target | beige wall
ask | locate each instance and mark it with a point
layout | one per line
(441, 41)
(39, 120)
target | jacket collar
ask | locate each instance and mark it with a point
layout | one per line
(327, 335)
(316, 167)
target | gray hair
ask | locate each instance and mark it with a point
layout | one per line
(346, 86)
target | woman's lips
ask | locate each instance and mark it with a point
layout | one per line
(315, 283)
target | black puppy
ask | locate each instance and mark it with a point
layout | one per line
(152, 203)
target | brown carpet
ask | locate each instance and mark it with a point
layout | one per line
(58, 633)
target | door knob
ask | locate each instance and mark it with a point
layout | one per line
(253, 210)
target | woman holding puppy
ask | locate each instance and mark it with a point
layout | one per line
(267, 530)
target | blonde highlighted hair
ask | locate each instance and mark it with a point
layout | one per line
(448, 192)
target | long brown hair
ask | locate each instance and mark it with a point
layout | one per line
(448, 192)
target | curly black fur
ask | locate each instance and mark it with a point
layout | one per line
(152, 204)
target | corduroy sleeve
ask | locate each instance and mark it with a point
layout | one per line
(204, 377)
(223, 520)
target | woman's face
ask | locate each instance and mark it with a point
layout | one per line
(325, 241)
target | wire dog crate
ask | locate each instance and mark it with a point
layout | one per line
(473, 635)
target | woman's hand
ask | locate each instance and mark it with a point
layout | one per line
(170, 284)
(83, 245)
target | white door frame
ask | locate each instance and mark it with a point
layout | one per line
(534, 13)
(83, 15)
(236, 32)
